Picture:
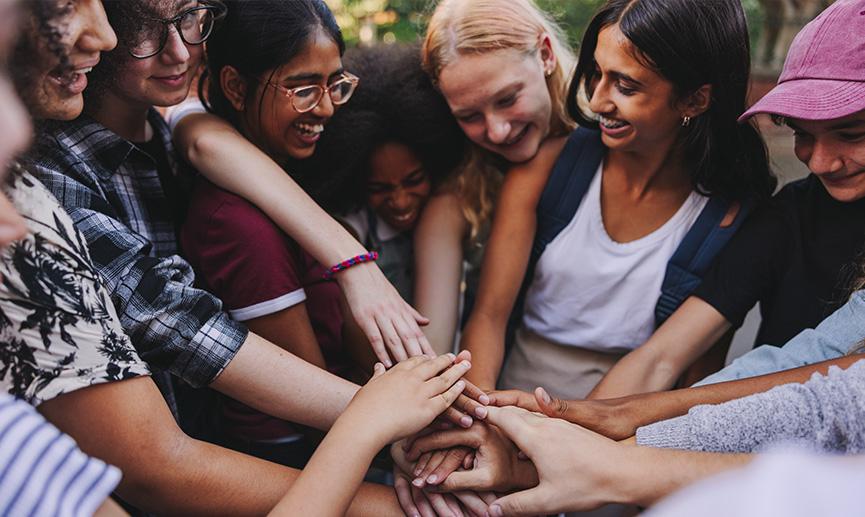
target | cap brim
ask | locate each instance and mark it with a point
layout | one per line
(811, 99)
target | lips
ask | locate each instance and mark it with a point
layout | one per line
(517, 138)
(613, 127)
(73, 79)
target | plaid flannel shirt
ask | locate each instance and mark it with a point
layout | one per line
(112, 191)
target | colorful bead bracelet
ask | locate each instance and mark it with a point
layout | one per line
(345, 264)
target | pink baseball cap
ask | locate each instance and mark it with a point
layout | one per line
(824, 74)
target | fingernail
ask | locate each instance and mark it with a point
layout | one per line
(418, 482)
(466, 421)
(484, 399)
(481, 412)
(451, 356)
(496, 511)
(387, 364)
(545, 396)
(432, 479)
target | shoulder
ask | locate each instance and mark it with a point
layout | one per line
(527, 180)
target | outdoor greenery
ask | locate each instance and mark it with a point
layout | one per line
(372, 21)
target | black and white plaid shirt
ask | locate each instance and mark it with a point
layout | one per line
(112, 191)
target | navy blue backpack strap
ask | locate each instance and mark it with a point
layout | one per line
(695, 254)
(570, 179)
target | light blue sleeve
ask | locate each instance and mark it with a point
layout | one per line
(834, 337)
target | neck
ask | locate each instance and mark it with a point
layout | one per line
(643, 172)
(127, 119)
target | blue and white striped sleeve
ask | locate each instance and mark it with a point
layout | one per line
(42, 471)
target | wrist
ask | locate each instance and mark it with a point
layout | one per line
(368, 433)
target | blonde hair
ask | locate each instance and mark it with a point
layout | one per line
(471, 27)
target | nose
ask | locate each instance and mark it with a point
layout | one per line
(325, 107)
(600, 100)
(96, 33)
(498, 130)
(822, 158)
(400, 200)
(175, 50)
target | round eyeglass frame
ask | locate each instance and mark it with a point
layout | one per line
(216, 11)
(290, 93)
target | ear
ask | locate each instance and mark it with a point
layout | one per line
(548, 56)
(234, 86)
(697, 102)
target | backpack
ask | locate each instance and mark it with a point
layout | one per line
(570, 179)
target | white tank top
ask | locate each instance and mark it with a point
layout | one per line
(594, 293)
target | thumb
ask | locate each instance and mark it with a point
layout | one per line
(527, 502)
(514, 422)
(378, 370)
(551, 406)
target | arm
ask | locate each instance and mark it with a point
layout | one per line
(505, 262)
(826, 411)
(656, 365)
(391, 406)
(291, 330)
(226, 158)
(165, 471)
(609, 472)
(438, 268)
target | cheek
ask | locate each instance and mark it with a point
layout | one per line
(803, 150)
(377, 202)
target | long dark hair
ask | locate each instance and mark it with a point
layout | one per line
(691, 43)
(257, 36)
(395, 102)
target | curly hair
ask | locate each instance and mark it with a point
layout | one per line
(44, 28)
(395, 102)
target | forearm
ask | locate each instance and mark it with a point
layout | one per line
(221, 154)
(485, 339)
(336, 469)
(278, 383)
(640, 371)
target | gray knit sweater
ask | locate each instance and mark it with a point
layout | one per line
(827, 412)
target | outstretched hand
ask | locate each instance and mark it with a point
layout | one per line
(574, 464)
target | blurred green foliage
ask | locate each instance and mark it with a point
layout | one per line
(370, 21)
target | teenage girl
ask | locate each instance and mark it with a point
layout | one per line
(665, 81)
(522, 90)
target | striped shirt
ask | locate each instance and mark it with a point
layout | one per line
(42, 471)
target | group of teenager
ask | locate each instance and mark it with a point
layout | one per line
(518, 251)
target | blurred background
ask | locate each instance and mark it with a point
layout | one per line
(772, 24)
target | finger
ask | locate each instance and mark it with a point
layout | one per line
(418, 317)
(378, 370)
(420, 465)
(527, 502)
(432, 367)
(440, 505)
(403, 495)
(408, 336)
(475, 480)
(469, 461)
(447, 378)
(422, 503)
(472, 502)
(514, 422)
(469, 406)
(444, 440)
(551, 406)
(454, 505)
(507, 397)
(452, 460)
(435, 460)
(488, 497)
(457, 417)
(448, 397)
(476, 393)
(392, 340)
(370, 328)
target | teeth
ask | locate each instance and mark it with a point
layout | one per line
(310, 129)
(610, 123)
(86, 70)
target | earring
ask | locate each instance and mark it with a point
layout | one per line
(686, 121)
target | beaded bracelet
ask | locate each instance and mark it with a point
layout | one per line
(345, 264)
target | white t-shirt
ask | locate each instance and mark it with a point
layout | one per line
(594, 293)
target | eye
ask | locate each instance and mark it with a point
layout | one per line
(469, 119)
(508, 101)
(415, 179)
(378, 188)
(852, 137)
(625, 90)
(305, 92)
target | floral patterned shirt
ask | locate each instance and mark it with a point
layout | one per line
(59, 331)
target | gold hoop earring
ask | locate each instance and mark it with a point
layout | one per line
(686, 121)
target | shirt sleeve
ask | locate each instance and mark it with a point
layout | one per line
(748, 266)
(827, 412)
(43, 471)
(832, 338)
(173, 325)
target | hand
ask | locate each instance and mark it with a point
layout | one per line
(435, 466)
(470, 404)
(405, 399)
(576, 467)
(390, 324)
(607, 417)
(497, 466)
(517, 398)
(417, 503)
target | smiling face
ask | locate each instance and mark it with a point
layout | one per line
(636, 106)
(55, 92)
(501, 100)
(270, 120)
(834, 150)
(398, 187)
(163, 79)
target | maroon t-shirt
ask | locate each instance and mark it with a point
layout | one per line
(242, 257)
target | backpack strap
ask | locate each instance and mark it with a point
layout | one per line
(570, 179)
(695, 254)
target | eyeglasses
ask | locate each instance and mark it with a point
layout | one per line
(306, 98)
(193, 25)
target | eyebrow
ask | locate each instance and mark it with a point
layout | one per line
(312, 76)
(373, 183)
(850, 124)
(625, 77)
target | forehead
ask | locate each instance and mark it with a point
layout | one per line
(615, 52)
(854, 121)
(471, 80)
(320, 56)
(391, 163)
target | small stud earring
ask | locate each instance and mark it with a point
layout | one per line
(686, 121)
